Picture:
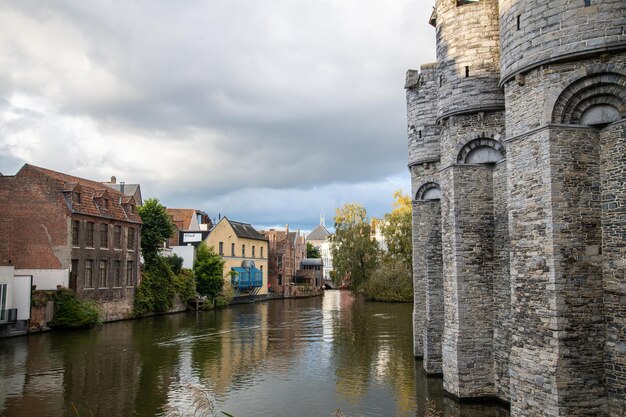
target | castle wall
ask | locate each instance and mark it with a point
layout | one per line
(501, 282)
(557, 29)
(467, 246)
(429, 281)
(613, 174)
(555, 274)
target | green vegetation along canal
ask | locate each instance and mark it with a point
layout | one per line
(299, 357)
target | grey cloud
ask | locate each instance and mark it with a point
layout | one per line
(244, 94)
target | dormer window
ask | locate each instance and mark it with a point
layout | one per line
(105, 203)
(76, 197)
(131, 208)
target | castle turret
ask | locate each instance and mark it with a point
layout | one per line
(422, 129)
(537, 32)
(468, 54)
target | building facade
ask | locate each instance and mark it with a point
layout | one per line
(320, 239)
(245, 253)
(286, 252)
(517, 138)
(71, 232)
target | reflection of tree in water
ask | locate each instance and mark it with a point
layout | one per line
(233, 348)
(372, 344)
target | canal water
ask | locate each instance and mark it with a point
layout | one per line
(299, 357)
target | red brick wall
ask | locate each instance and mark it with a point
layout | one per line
(35, 228)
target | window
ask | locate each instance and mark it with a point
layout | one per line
(89, 273)
(253, 251)
(462, 2)
(232, 249)
(89, 235)
(587, 3)
(75, 232)
(104, 235)
(76, 198)
(102, 275)
(261, 251)
(221, 252)
(106, 203)
(519, 22)
(466, 71)
(129, 273)
(243, 251)
(117, 274)
(130, 241)
(131, 208)
(117, 237)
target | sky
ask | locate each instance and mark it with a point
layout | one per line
(270, 112)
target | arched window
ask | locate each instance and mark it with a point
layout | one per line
(481, 151)
(594, 100)
(428, 191)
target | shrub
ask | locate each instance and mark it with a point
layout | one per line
(159, 285)
(185, 284)
(72, 313)
(157, 288)
(390, 282)
(208, 269)
(175, 262)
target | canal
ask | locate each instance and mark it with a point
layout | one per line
(299, 357)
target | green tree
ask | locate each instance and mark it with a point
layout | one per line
(209, 271)
(355, 253)
(312, 252)
(397, 230)
(157, 226)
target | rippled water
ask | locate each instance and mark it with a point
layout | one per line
(305, 357)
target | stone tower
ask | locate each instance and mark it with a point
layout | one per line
(517, 140)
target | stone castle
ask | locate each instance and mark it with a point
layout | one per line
(517, 154)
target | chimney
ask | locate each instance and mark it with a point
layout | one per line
(113, 179)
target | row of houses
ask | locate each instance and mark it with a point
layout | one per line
(61, 231)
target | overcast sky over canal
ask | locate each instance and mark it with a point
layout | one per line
(267, 111)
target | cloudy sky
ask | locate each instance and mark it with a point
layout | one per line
(267, 111)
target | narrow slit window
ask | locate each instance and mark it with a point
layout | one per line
(519, 22)
(419, 133)
(466, 71)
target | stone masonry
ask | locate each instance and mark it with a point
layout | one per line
(517, 154)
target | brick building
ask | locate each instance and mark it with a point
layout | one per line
(69, 231)
(286, 252)
(517, 138)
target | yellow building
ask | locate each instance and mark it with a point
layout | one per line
(244, 251)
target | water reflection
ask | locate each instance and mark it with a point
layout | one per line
(290, 357)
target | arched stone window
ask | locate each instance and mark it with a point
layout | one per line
(481, 151)
(428, 191)
(596, 100)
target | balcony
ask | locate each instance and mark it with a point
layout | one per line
(246, 278)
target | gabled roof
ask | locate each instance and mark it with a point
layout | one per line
(129, 189)
(319, 233)
(246, 230)
(92, 195)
